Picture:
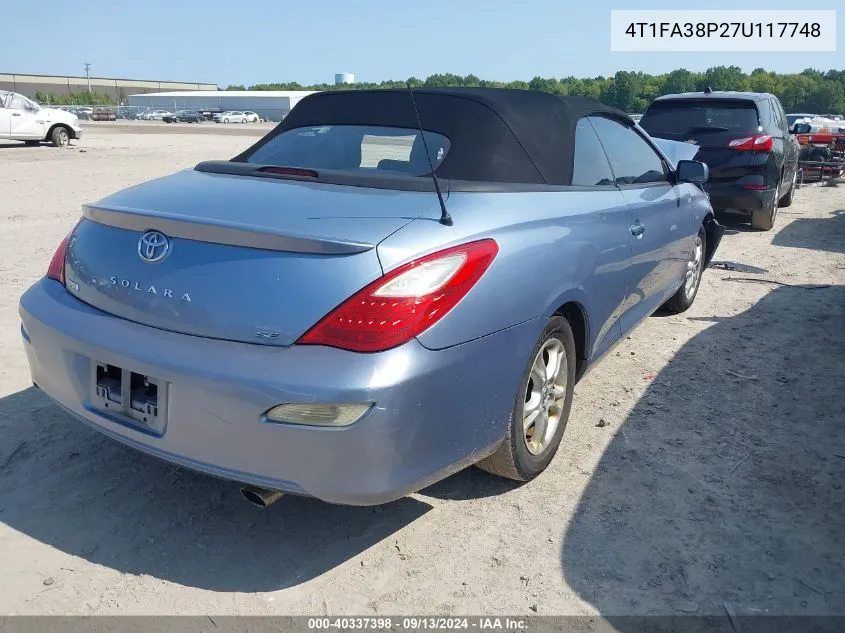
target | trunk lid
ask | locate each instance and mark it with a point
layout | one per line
(247, 259)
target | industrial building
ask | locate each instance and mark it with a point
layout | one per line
(272, 105)
(117, 89)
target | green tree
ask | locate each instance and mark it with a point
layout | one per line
(811, 90)
(724, 78)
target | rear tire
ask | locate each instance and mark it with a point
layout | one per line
(531, 443)
(60, 137)
(682, 300)
(764, 219)
(786, 201)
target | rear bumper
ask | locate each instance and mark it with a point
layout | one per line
(435, 411)
(734, 197)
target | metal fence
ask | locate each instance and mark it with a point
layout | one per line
(128, 113)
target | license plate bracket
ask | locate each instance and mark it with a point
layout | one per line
(132, 398)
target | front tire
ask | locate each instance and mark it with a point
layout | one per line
(60, 137)
(541, 409)
(682, 300)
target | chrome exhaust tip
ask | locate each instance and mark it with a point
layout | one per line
(261, 497)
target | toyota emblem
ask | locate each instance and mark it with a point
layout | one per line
(153, 246)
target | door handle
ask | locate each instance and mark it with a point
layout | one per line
(16, 113)
(638, 229)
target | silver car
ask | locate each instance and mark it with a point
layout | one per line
(388, 287)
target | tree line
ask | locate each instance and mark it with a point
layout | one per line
(74, 98)
(808, 91)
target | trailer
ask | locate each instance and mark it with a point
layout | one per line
(822, 156)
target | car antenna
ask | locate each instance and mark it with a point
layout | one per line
(445, 218)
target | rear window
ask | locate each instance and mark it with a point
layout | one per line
(685, 118)
(354, 148)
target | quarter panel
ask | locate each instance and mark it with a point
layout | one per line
(553, 247)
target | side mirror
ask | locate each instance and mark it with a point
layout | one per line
(692, 171)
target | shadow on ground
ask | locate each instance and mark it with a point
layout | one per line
(73, 489)
(725, 483)
(821, 234)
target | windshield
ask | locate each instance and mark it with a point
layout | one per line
(353, 148)
(683, 119)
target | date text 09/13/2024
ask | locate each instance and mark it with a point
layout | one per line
(422, 623)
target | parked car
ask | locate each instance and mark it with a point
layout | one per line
(103, 114)
(188, 116)
(22, 119)
(231, 116)
(154, 115)
(360, 346)
(83, 113)
(744, 139)
(794, 117)
(251, 117)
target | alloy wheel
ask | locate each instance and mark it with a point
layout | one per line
(695, 265)
(544, 396)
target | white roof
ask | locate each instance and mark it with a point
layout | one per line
(214, 94)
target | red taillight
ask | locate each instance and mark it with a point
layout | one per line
(405, 302)
(755, 187)
(56, 270)
(755, 143)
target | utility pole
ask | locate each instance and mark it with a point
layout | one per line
(88, 76)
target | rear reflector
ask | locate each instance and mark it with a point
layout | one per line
(755, 187)
(318, 414)
(56, 270)
(755, 143)
(405, 302)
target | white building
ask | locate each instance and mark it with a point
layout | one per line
(344, 78)
(272, 105)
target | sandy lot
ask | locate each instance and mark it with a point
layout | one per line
(704, 462)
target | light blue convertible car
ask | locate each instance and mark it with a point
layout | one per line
(388, 287)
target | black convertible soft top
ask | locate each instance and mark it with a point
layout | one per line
(496, 134)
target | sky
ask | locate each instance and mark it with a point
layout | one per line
(247, 42)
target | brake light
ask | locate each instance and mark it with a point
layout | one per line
(56, 269)
(405, 302)
(290, 171)
(755, 143)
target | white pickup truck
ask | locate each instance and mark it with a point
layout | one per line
(24, 120)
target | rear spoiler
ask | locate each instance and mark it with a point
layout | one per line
(218, 232)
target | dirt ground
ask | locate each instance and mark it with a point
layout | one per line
(703, 464)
